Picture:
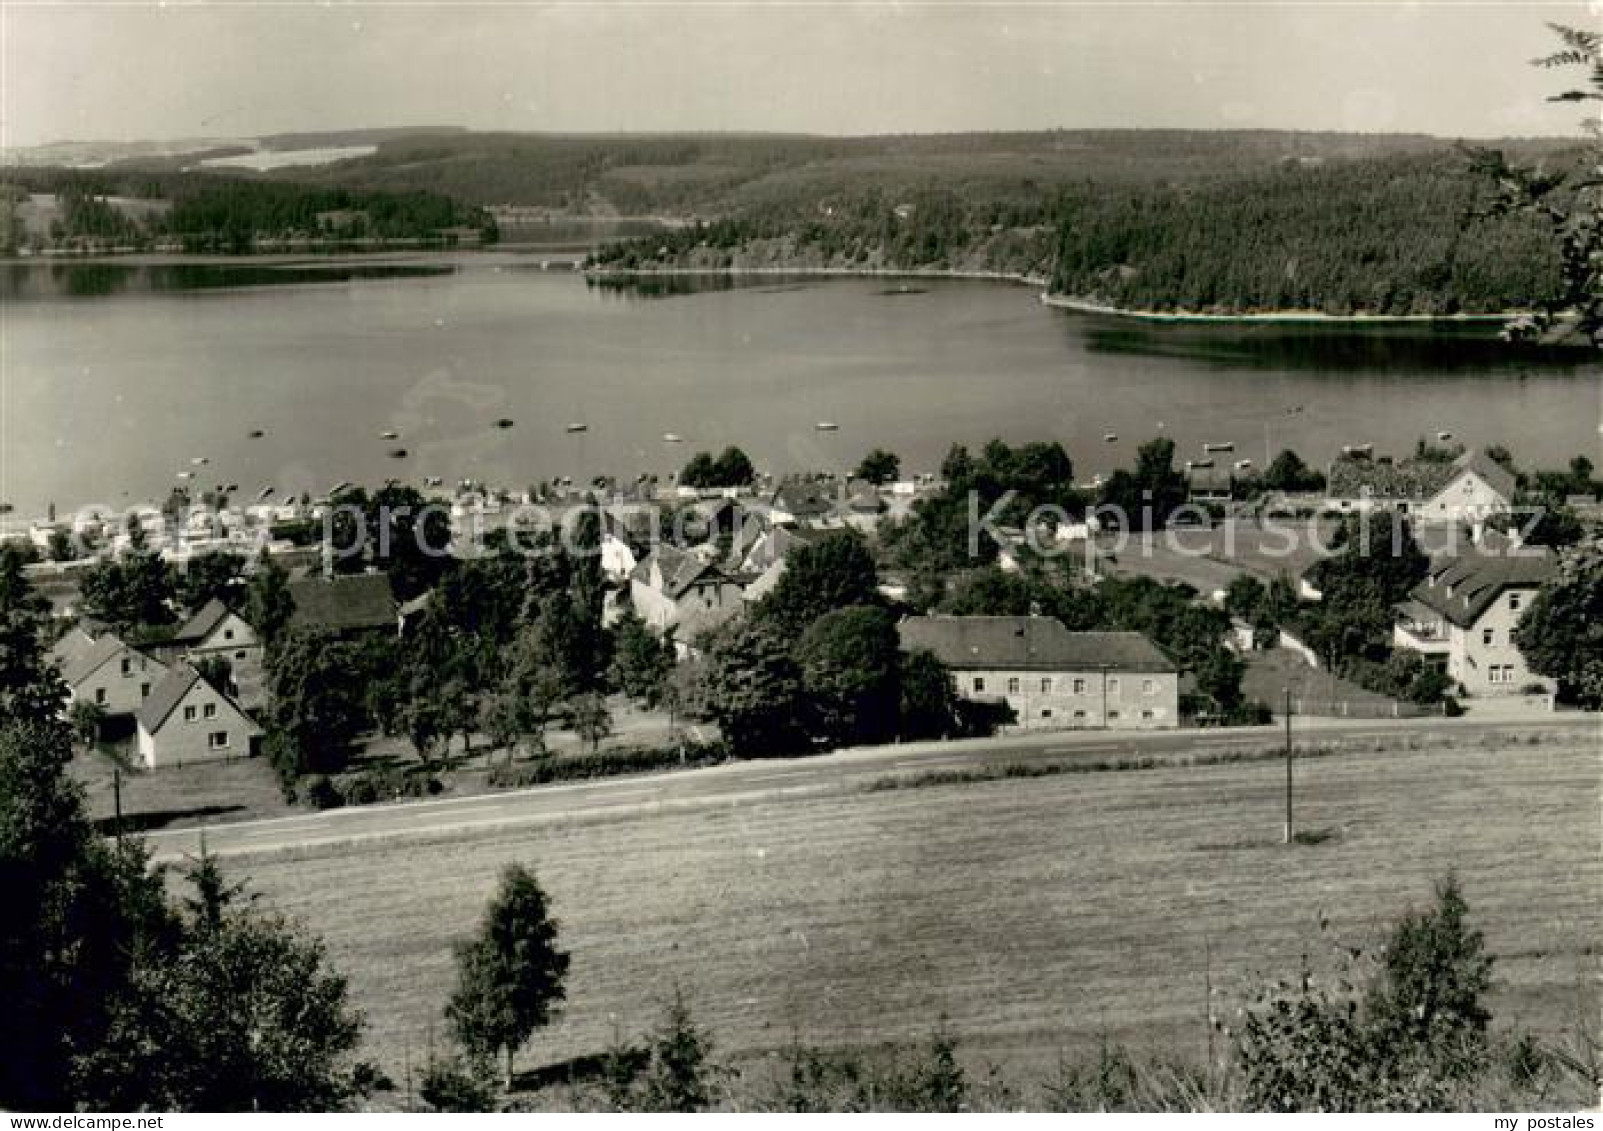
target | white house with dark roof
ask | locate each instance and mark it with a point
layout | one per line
(188, 721)
(1464, 613)
(217, 631)
(1052, 678)
(1466, 490)
(674, 588)
(112, 675)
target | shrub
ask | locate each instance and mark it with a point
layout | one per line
(1404, 1043)
(316, 791)
(453, 1084)
(677, 1078)
(606, 763)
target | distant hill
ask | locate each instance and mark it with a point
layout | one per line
(712, 174)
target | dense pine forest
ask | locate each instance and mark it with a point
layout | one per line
(1389, 236)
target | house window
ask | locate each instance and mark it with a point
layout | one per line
(979, 683)
(1113, 714)
(217, 740)
(1113, 685)
(100, 695)
(127, 665)
(1046, 712)
(144, 691)
(189, 714)
(1013, 686)
(1513, 602)
(1488, 635)
(1079, 715)
(1148, 686)
(209, 711)
(239, 655)
(1079, 687)
(228, 634)
(1046, 685)
(1147, 715)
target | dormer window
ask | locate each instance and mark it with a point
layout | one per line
(1513, 602)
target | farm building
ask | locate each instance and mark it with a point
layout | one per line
(1052, 678)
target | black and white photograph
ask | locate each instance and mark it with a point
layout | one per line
(801, 556)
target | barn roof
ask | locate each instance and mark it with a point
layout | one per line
(1030, 643)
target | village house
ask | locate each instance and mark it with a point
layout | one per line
(108, 673)
(799, 503)
(681, 589)
(1053, 679)
(1466, 490)
(216, 632)
(348, 606)
(187, 721)
(1463, 616)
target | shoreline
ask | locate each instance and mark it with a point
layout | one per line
(573, 258)
(1057, 301)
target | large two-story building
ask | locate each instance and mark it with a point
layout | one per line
(1053, 678)
(1464, 613)
(1467, 490)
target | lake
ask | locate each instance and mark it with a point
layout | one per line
(116, 376)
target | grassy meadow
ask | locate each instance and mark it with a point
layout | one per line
(1036, 915)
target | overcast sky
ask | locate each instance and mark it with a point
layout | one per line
(233, 69)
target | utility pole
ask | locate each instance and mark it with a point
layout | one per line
(1288, 765)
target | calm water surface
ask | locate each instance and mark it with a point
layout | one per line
(115, 378)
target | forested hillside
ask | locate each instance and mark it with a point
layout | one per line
(1397, 234)
(1389, 236)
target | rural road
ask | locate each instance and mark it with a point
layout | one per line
(768, 780)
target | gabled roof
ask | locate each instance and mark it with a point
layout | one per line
(362, 600)
(74, 643)
(171, 691)
(680, 569)
(1350, 478)
(1030, 643)
(198, 627)
(166, 695)
(1497, 477)
(88, 661)
(1464, 587)
(804, 500)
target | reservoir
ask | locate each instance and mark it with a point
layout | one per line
(114, 377)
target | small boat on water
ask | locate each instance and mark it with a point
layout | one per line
(672, 438)
(433, 481)
(186, 475)
(578, 427)
(6, 508)
(1199, 463)
(1110, 437)
(827, 426)
(264, 492)
(398, 453)
(342, 485)
(1358, 449)
(389, 435)
(1221, 447)
(1243, 465)
(256, 433)
(505, 422)
(200, 461)
(1444, 435)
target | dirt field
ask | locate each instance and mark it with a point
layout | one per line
(1034, 914)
